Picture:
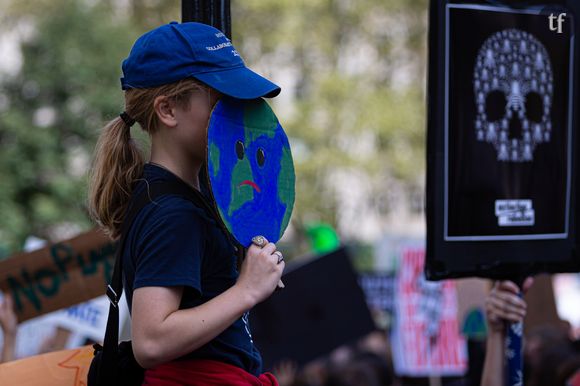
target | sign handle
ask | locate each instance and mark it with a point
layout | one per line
(514, 348)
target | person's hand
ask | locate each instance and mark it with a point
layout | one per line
(261, 270)
(285, 372)
(8, 319)
(504, 305)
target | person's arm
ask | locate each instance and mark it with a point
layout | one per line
(9, 325)
(503, 305)
(162, 332)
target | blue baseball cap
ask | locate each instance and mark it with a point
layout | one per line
(192, 50)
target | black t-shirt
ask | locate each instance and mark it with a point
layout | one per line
(172, 242)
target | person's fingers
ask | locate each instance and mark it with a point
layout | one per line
(280, 256)
(253, 249)
(280, 266)
(259, 241)
(4, 306)
(8, 302)
(510, 299)
(505, 310)
(510, 302)
(269, 249)
(509, 286)
(498, 315)
(527, 284)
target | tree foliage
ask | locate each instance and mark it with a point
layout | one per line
(356, 76)
(67, 86)
(353, 99)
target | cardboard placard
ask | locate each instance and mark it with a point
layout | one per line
(88, 320)
(61, 368)
(59, 275)
(250, 169)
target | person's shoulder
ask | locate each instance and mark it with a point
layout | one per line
(165, 204)
(169, 216)
(174, 206)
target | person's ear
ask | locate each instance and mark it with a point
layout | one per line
(165, 111)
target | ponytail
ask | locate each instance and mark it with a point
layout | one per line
(118, 163)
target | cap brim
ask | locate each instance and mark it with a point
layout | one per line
(240, 83)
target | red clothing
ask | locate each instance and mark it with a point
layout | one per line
(204, 372)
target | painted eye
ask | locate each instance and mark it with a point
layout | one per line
(240, 150)
(261, 157)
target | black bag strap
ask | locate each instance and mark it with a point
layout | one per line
(152, 192)
(115, 289)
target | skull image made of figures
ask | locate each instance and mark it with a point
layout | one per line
(513, 88)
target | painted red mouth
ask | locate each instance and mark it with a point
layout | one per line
(252, 184)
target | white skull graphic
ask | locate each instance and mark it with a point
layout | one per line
(513, 87)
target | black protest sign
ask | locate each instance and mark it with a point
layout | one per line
(501, 140)
(321, 308)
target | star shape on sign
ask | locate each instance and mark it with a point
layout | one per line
(80, 361)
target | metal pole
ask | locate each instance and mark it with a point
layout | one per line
(216, 13)
(514, 348)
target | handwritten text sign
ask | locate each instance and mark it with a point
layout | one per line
(60, 275)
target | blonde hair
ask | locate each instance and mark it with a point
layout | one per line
(118, 161)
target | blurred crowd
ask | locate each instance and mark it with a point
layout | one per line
(551, 356)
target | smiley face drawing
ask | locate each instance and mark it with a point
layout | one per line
(250, 169)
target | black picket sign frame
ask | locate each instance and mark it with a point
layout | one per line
(457, 242)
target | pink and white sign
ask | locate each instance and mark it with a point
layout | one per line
(426, 334)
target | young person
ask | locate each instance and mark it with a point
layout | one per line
(188, 302)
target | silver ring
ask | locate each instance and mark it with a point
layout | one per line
(280, 256)
(260, 241)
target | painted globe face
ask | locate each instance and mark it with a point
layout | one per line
(250, 169)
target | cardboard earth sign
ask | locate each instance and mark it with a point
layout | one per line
(61, 368)
(250, 169)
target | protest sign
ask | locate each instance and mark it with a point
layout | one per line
(379, 290)
(88, 320)
(250, 169)
(59, 275)
(321, 308)
(61, 368)
(501, 197)
(425, 336)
